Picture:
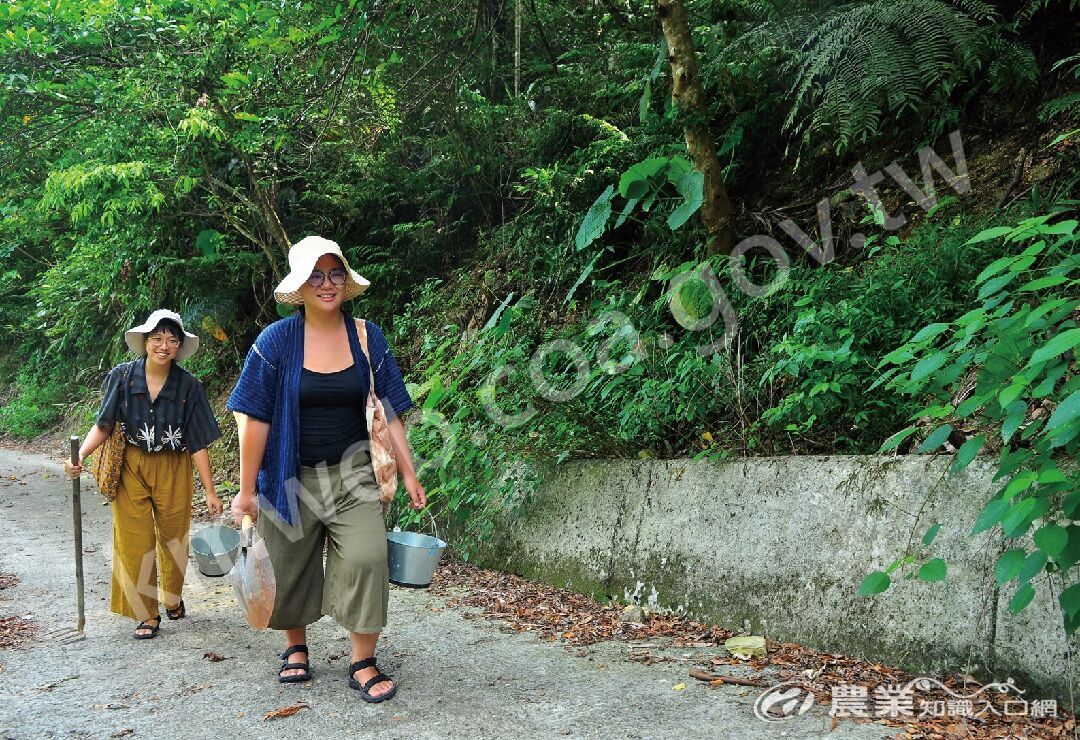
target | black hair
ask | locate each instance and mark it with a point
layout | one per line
(170, 326)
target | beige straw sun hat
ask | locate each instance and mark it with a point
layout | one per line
(302, 258)
(135, 337)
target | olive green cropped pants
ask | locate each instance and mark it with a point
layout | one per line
(339, 513)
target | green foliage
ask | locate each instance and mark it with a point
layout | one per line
(820, 377)
(34, 409)
(640, 187)
(866, 69)
(1006, 369)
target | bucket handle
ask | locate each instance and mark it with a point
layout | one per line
(434, 525)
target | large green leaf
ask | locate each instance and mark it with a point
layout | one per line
(936, 438)
(1019, 484)
(929, 332)
(1062, 342)
(1014, 417)
(1012, 392)
(988, 234)
(1070, 556)
(933, 570)
(992, 286)
(595, 222)
(990, 515)
(874, 583)
(1021, 598)
(1022, 514)
(967, 453)
(640, 173)
(690, 187)
(895, 440)
(1008, 565)
(1051, 539)
(1033, 565)
(927, 365)
(1047, 281)
(1066, 412)
(1070, 599)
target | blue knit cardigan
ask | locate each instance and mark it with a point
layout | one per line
(269, 390)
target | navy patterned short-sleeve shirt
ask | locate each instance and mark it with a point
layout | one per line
(179, 418)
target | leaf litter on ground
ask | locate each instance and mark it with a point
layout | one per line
(561, 615)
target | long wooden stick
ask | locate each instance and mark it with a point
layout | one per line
(76, 510)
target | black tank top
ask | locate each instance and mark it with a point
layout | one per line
(331, 415)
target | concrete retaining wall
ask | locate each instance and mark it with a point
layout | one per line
(778, 546)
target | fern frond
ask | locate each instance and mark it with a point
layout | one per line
(868, 61)
(1068, 103)
(1031, 8)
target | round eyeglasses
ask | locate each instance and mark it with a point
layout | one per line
(171, 342)
(318, 277)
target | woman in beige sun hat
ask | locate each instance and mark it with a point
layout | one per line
(305, 470)
(167, 424)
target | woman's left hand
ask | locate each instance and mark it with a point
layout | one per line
(213, 504)
(417, 497)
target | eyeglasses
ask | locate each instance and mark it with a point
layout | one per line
(171, 342)
(318, 277)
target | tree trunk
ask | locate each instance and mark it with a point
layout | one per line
(716, 210)
(517, 48)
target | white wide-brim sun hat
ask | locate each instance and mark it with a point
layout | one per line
(302, 258)
(136, 335)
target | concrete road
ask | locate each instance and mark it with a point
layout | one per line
(457, 678)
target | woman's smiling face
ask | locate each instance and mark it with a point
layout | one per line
(327, 296)
(161, 346)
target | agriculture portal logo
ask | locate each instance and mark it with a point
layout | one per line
(783, 701)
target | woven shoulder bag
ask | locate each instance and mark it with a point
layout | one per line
(383, 460)
(108, 460)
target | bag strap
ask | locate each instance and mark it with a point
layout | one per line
(361, 327)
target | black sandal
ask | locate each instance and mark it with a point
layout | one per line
(366, 686)
(286, 666)
(178, 613)
(154, 629)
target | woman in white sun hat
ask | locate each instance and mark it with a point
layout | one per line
(305, 470)
(167, 424)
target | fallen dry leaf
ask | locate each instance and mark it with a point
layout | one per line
(678, 687)
(287, 711)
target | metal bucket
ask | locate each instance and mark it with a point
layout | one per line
(413, 557)
(216, 548)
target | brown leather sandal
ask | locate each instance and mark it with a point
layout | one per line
(178, 613)
(141, 634)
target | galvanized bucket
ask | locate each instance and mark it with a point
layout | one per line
(216, 548)
(413, 557)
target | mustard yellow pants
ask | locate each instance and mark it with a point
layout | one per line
(151, 519)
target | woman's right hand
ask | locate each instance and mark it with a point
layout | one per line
(73, 471)
(244, 503)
